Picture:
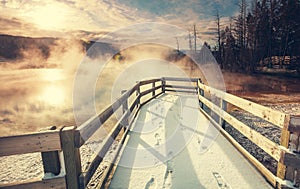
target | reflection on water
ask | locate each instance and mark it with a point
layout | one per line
(33, 99)
(241, 83)
(263, 89)
(53, 95)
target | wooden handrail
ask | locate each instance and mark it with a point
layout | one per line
(181, 87)
(69, 139)
(267, 145)
(62, 146)
(180, 79)
(35, 142)
(112, 166)
(150, 90)
(90, 127)
(181, 91)
(268, 114)
(102, 150)
(87, 129)
(288, 160)
(145, 82)
(268, 174)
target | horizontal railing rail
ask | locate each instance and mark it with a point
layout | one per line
(173, 86)
(36, 142)
(268, 114)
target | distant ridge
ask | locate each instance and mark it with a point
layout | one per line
(11, 47)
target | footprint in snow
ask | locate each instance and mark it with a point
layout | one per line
(157, 139)
(151, 183)
(169, 173)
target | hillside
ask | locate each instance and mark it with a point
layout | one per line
(11, 47)
(15, 47)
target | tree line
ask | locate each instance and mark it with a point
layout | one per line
(265, 33)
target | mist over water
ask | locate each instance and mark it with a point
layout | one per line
(32, 99)
(35, 95)
(105, 81)
(37, 92)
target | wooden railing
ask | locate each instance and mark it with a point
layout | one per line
(60, 147)
(287, 154)
(47, 142)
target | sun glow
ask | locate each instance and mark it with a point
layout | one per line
(53, 95)
(54, 92)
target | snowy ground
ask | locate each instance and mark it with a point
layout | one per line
(172, 145)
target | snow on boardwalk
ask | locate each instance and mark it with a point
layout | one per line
(172, 145)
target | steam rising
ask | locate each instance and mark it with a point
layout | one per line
(36, 92)
(32, 99)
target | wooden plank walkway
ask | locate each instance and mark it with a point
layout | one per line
(172, 145)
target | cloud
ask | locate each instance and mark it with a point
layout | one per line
(14, 26)
(92, 19)
(63, 16)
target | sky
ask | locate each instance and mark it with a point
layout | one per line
(93, 18)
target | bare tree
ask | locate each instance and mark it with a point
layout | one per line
(219, 49)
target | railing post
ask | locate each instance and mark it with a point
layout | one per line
(200, 92)
(223, 106)
(71, 156)
(295, 147)
(138, 92)
(291, 141)
(51, 161)
(163, 84)
(153, 86)
(124, 109)
(284, 141)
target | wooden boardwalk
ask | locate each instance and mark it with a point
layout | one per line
(173, 145)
